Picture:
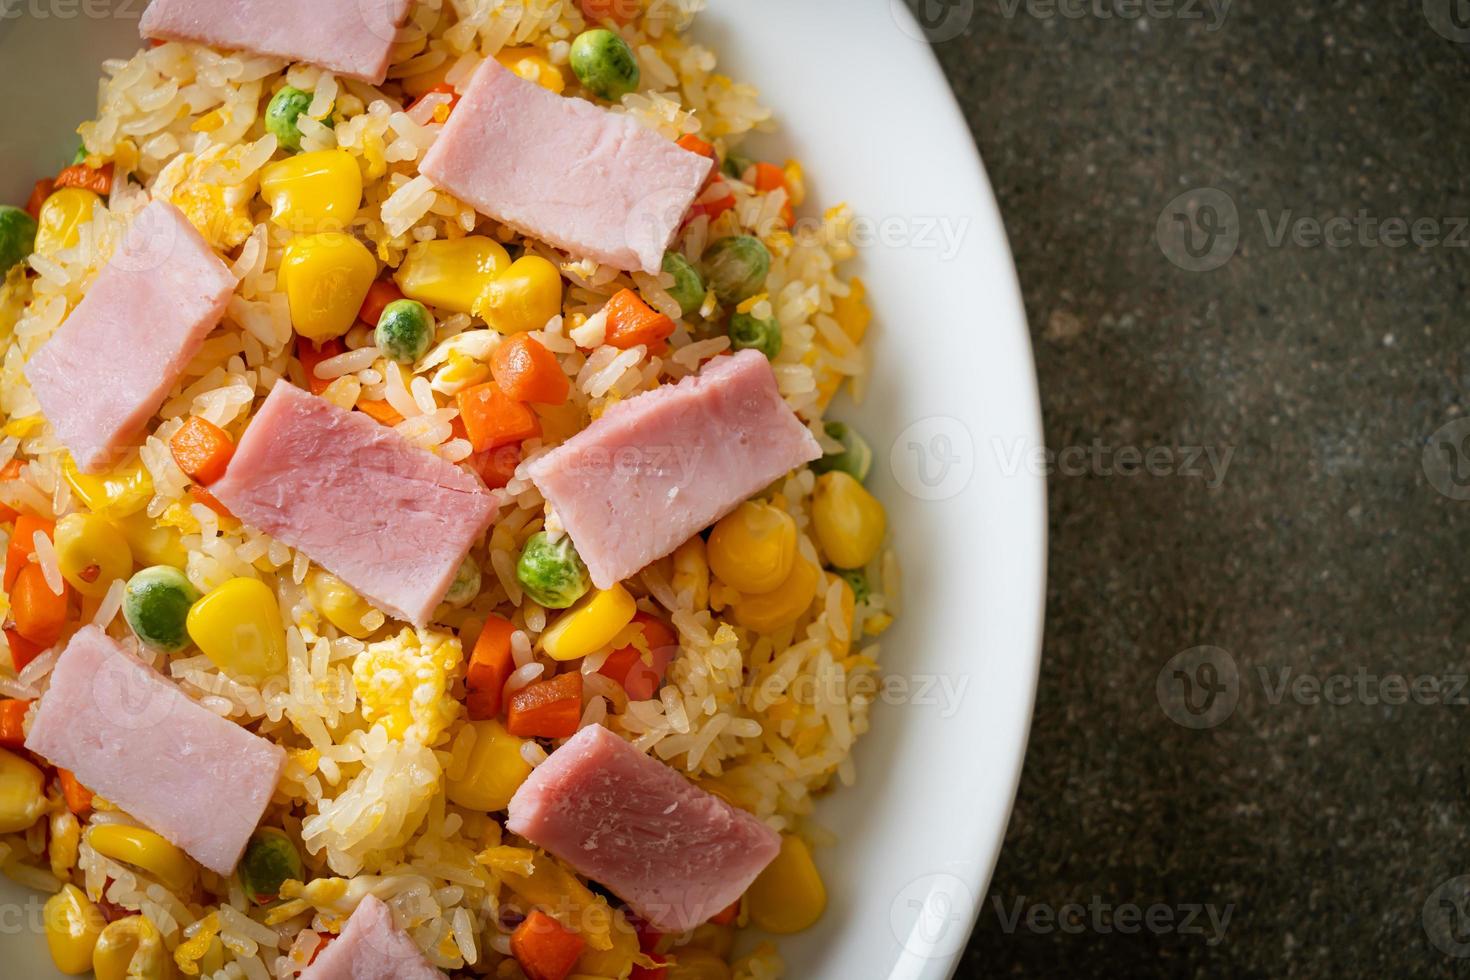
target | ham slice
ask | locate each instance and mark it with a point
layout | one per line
(108, 368)
(371, 947)
(676, 854)
(658, 468)
(133, 737)
(390, 519)
(348, 37)
(563, 170)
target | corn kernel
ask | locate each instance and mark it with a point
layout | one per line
(22, 793)
(529, 63)
(311, 192)
(92, 553)
(523, 297)
(591, 624)
(61, 219)
(72, 926)
(753, 548)
(784, 605)
(789, 895)
(65, 843)
(131, 949)
(494, 770)
(451, 275)
(144, 849)
(238, 626)
(849, 522)
(117, 493)
(326, 277)
(336, 600)
(691, 572)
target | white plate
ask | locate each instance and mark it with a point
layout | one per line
(952, 415)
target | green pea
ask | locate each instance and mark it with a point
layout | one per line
(80, 156)
(735, 166)
(604, 64)
(404, 331)
(688, 288)
(855, 458)
(466, 584)
(17, 237)
(751, 332)
(736, 267)
(281, 116)
(156, 605)
(859, 582)
(552, 572)
(270, 860)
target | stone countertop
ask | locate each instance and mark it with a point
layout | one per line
(1253, 698)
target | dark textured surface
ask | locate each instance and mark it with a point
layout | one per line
(1324, 550)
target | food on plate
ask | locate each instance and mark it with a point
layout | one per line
(427, 550)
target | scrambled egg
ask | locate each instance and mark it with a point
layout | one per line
(199, 185)
(404, 684)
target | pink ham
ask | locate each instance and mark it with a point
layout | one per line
(656, 469)
(371, 947)
(563, 170)
(349, 37)
(136, 739)
(104, 373)
(390, 519)
(676, 854)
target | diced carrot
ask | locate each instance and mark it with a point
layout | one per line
(22, 651)
(769, 177)
(39, 193)
(489, 667)
(493, 419)
(12, 718)
(10, 471)
(202, 450)
(726, 916)
(380, 410)
(98, 181)
(209, 500)
(22, 545)
(443, 88)
(617, 11)
(713, 208)
(528, 372)
(547, 709)
(310, 355)
(694, 144)
(38, 612)
(627, 666)
(545, 949)
(631, 322)
(78, 797)
(497, 466)
(379, 295)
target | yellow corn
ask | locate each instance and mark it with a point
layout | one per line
(117, 493)
(849, 521)
(451, 275)
(151, 543)
(326, 278)
(92, 552)
(311, 192)
(529, 63)
(131, 949)
(72, 926)
(691, 572)
(493, 771)
(144, 849)
(783, 606)
(697, 964)
(789, 895)
(61, 219)
(336, 600)
(523, 297)
(238, 626)
(753, 548)
(65, 843)
(589, 625)
(22, 793)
